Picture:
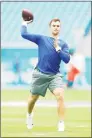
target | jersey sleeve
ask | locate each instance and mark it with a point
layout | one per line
(64, 53)
(31, 37)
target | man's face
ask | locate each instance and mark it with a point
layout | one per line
(55, 27)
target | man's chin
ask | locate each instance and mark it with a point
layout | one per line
(55, 33)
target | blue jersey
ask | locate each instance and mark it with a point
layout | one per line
(48, 58)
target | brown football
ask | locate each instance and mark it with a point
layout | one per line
(27, 15)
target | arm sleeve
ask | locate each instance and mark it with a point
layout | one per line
(64, 53)
(31, 37)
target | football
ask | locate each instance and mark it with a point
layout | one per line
(27, 15)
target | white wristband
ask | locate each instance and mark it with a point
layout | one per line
(24, 23)
(58, 48)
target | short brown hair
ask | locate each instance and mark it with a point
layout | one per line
(54, 20)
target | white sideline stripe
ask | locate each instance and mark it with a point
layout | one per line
(46, 104)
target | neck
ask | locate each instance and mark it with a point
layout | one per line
(55, 36)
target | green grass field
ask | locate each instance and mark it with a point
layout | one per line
(77, 120)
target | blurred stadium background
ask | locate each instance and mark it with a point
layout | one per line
(76, 31)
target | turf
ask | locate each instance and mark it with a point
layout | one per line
(77, 120)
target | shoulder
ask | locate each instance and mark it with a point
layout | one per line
(63, 43)
(42, 36)
(45, 38)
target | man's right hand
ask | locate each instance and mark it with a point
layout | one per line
(26, 22)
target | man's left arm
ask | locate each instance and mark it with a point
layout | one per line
(64, 53)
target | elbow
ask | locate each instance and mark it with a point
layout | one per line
(23, 35)
(67, 60)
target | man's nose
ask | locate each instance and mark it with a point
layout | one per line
(55, 27)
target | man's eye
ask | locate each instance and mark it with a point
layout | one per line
(56, 26)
